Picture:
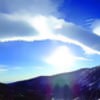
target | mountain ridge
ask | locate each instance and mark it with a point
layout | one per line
(82, 84)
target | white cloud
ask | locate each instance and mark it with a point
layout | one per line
(10, 28)
(34, 20)
(42, 27)
(15, 25)
(97, 30)
(96, 27)
(89, 50)
(44, 7)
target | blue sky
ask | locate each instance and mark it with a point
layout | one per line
(46, 37)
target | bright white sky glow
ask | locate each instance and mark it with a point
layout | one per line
(61, 58)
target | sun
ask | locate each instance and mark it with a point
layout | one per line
(61, 58)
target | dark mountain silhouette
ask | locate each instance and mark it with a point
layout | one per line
(6, 92)
(83, 84)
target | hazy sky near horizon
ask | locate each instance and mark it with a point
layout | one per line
(46, 37)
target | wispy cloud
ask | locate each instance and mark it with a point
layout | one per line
(39, 68)
(3, 70)
(3, 66)
(17, 68)
(82, 58)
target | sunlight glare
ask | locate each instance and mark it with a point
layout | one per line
(61, 58)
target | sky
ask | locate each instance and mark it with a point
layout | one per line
(47, 37)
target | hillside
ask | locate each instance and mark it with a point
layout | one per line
(83, 84)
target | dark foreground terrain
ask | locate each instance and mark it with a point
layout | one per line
(83, 84)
